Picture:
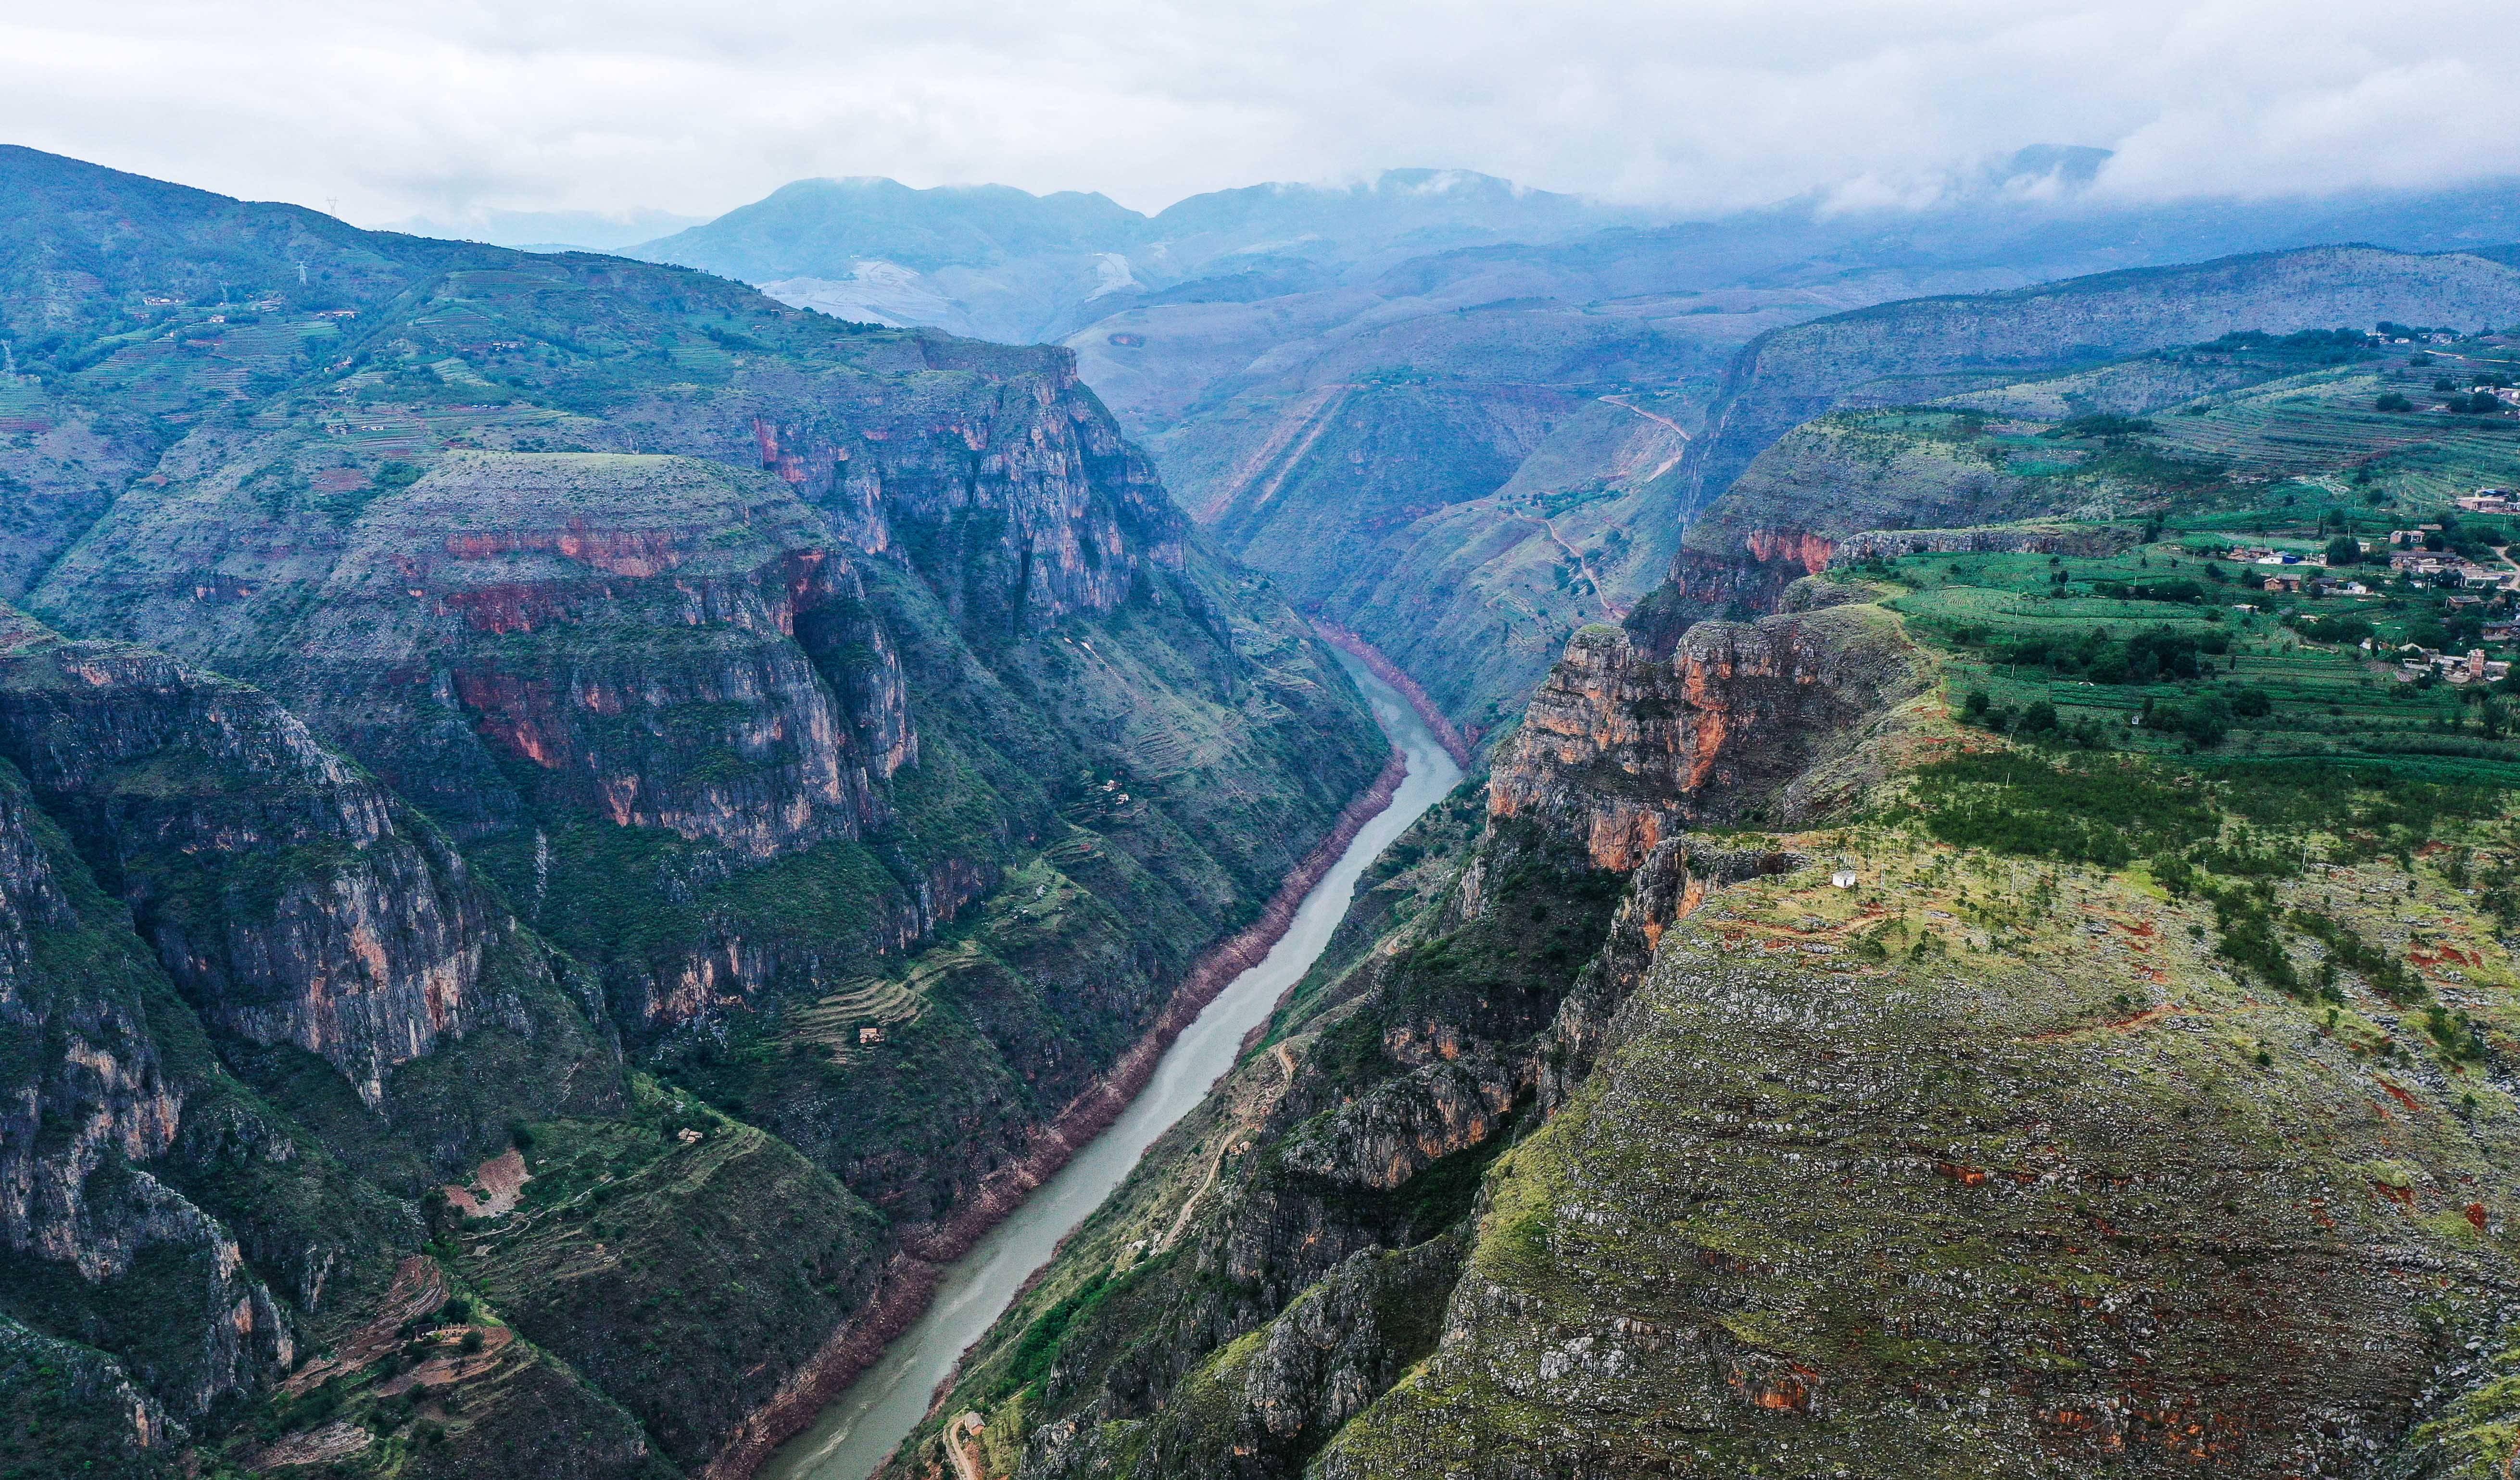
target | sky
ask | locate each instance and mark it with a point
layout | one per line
(385, 111)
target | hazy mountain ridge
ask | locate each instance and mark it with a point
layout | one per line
(1264, 362)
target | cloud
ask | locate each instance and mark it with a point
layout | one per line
(455, 108)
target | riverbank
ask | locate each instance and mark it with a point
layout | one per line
(909, 1283)
(1456, 744)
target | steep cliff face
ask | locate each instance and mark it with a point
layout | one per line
(1271, 1274)
(93, 1236)
(631, 680)
(619, 657)
(293, 900)
(1622, 749)
(1012, 492)
(69, 1403)
(625, 635)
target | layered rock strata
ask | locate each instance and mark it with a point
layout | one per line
(1623, 749)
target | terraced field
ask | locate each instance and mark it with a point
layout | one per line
(1994, 614)
(2323, 424)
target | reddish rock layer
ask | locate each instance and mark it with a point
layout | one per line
(1623, 749)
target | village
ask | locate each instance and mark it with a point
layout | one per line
(2481, 590)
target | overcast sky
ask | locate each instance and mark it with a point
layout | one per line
(439, 109)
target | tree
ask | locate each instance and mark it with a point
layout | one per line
(2393, 402)
(2344, 550)
(2205, 720)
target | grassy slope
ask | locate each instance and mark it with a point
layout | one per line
(1984, 1126)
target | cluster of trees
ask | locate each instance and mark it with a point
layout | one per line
(2184, 592)
(2099, 425)
(2087, 809)
(2348, 629)
(2205, 717)
(2326, 347)
(2035, 719)
(2143, 658)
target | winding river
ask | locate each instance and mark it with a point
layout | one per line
(857, 1432)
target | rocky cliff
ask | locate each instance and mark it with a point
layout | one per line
(91, 1104)
(199, 896)
(586, 770)
(1814, 1210)
(292, 899)
(1841, 1150)
(1271, 1274)
(1622, 749)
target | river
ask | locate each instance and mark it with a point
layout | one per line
(857, 1431)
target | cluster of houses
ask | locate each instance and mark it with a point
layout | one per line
(2294, 572)
(2487, 500)
(2470, 668)
(2441, 567)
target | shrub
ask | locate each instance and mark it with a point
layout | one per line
(2387, 974)
(2248, 939)
(2458, 1035)
(2100, 424)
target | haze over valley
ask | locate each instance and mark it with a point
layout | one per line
(1802, 762)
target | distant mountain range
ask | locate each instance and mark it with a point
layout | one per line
(1002, 263)
(1364, 388)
